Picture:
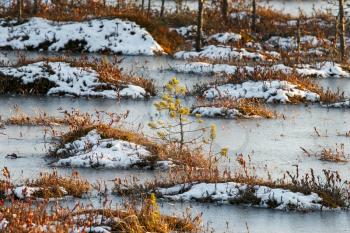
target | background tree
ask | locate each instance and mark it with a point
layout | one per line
(254, 16)
(224, 9)
(162, 8)
(199, 25)
(20, 10)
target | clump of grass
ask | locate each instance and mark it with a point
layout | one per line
(330, 155)
(39, 217)
(41, 118)
(248, 107)
(52, 185)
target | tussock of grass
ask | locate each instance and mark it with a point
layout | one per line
(248, 107)
(107, 73)
(329, 186)
(109, 125)
(303, 83)
(41, 118)
(51, 185)
(329, 154)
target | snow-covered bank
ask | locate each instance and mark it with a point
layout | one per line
(91, 151)
(270, 91)
(225, 53)
(236, 193)
(98, 35)
(65, 79)
(319, 70)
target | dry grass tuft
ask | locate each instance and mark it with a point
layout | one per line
(248, 107)
(52, 185)
(41, 118)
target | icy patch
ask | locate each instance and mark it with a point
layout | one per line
(271, 91)
(91, 151)
(225, 37)
(213, 112)
(98, 35)
(213, 52)
(69, 80)
(231, 192)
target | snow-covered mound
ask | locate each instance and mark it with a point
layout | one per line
(91, 151)
(230, 192)
(97, 35)
(69, 80)
(214, 52)
(291, 42)
(271, 91)
(220, 112)
(225, 37)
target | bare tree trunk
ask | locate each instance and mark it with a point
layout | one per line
(142, 5)
(336, 32)
(149, 8)
(253, 16)
(20, 10)
(35, 7)
(199, 25)
(162, 8)
(342, 30)
(224, 8)
(298, 40)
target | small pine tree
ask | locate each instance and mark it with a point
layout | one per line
(179, 129)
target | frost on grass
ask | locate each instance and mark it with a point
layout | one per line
(319, 70)
(98, 35)
(91, 151)
(270, 91)
(236, 193)
(61, 78)
(225, 53)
